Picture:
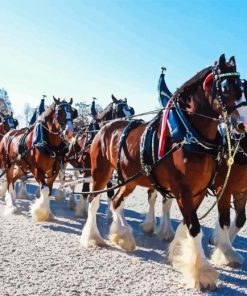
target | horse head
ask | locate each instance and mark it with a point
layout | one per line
(228, 92)
(121, 108)
(64, 116)
(8, 121)
(220, 86)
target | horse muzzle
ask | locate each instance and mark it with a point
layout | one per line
(69, 131)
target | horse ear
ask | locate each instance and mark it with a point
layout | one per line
(113, 99)
(71, 101)
(11, 114)
(222, 61)
(232, 61)
(56, 100)
(125, 100)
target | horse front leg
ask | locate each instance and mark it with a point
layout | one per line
(186, 252)
(239, 201)
(110, 195)
(90, 237)
(224, 254)
(81, 209)
(41, 210)
(60, 194)
(165, 230)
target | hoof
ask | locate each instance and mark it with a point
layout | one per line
(93, 243)
(81, 210)
(166, 235)
(13, 210)
(88, 241)
(123, 239)
(228, 258)
(148, 228)
(201, 277)
(40, 215)
(60, 195)
(72, 204)
(207, 279)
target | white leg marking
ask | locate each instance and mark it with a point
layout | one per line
(22, 193)
(148, 225)
(224, 254)
(10, 198)
(81, 209)
(120, 231)
(41, 210)
(187, 255)
(90, 237)
(233, 230)
(165, 230)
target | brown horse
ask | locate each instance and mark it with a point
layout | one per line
(116, 109)
(177, 173)
(7, 122)
(39, 150)
(224, 233)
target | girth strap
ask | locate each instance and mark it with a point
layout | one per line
(132, 125)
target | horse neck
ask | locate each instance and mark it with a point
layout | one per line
(54, 137)
(204, 124)
(105, 114)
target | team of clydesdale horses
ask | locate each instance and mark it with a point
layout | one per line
(184, 150)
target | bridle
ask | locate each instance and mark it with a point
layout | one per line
(220, 85)
(68, 110)
(119, 106)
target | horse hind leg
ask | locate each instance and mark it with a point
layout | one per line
(22, 192)
(120, 232)
(165, 230)
(148, 225)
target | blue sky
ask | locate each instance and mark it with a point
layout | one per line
(86, 48)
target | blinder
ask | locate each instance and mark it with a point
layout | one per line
(74, 113)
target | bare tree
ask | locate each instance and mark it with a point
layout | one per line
(28, 111)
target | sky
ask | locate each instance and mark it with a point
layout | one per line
(88, 48)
